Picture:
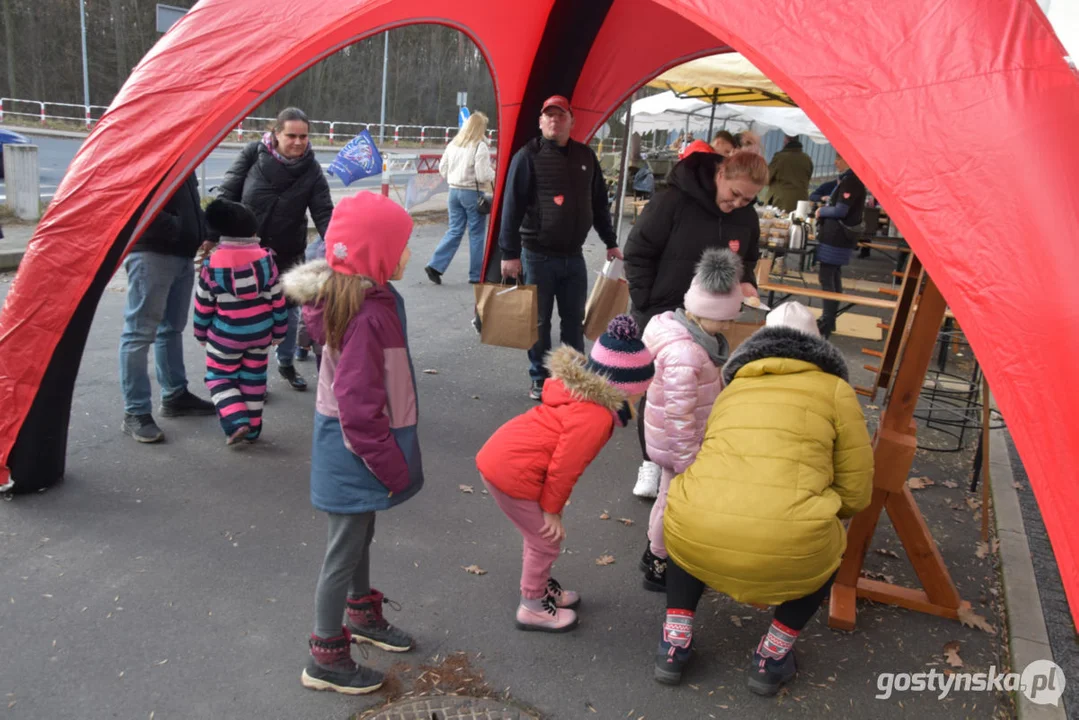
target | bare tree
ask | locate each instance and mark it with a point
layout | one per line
(428, 64)
(9, 41)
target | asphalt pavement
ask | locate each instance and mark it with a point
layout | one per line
(177, 580)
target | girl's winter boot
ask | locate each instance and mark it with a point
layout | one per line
(568, 599)
(766, 675)
(545, 616)
(365, 621)
(331, 667)
(655, 571)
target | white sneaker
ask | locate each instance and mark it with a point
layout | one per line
(647, 480)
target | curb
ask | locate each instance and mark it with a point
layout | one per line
(1027, 635)
(45, 132)
(10, 260)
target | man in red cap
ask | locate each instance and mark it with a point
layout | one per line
(555, 194)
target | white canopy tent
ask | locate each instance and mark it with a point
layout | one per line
(667, 111)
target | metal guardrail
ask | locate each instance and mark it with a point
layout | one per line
(84, 114)
(333, 131)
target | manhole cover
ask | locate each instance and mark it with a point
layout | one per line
(450, 707)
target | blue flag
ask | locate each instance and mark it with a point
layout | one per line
(357, 160)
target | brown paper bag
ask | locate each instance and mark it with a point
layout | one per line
(608, 299)
(738, 332)
(509, 315)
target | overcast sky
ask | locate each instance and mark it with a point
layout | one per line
(1064, 16)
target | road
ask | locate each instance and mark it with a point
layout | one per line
(55, 155)
(178, 579)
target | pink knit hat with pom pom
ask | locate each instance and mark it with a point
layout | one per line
(621, 357)
(715, 293)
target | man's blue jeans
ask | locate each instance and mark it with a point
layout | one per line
(286, 351)
(561, 279)
(159, 290)
(462, 207)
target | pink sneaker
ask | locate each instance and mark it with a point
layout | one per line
(552, 618)
(568, 599)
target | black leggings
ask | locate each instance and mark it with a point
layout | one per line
(831, 280)
(640, 427)
(684, 592)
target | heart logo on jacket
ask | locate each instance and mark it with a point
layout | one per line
(559, 199)
(846, 196)
(734, 245)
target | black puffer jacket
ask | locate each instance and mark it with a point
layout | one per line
(180, 228)
(676, 227)
(280, 196)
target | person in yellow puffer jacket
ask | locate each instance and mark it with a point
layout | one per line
(757, 516)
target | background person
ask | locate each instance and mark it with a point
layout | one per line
(724, 143)
(466, 166)
(790, 172)
(160, 280)
(706, 205)
(279, 179)
(555, 193)
(843, 210)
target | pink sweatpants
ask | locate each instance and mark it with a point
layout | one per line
(655, 520)
(539, 554)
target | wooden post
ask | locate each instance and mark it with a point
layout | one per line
(894, 447)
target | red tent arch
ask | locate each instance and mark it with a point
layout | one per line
(957, 115)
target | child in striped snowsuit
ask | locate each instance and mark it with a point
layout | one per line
(239, 314)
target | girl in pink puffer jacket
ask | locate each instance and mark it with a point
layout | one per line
(689, 351)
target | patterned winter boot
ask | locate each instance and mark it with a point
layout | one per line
(675, 647)
(330, 667)
(368, 626)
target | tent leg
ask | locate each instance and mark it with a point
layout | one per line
(712, 119)
(623, 169)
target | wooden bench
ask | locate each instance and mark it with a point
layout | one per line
(850, 300)
(885, 247)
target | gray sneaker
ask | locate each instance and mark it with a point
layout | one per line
(142, 428)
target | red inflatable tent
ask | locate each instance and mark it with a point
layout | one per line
(959, 116)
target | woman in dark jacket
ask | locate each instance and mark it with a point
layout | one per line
(280, 179)
(708, 204)
(837, 228)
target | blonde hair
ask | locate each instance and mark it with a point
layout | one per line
(748, 137)
(747, 164)
(342, 297)
(474, 131)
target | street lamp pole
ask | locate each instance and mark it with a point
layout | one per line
(385, 68)
(85, 66)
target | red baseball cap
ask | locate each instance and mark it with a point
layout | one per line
(556, 101)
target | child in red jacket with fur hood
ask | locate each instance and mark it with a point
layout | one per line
(531, 463)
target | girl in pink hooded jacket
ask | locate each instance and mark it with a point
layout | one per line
(688, 352)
